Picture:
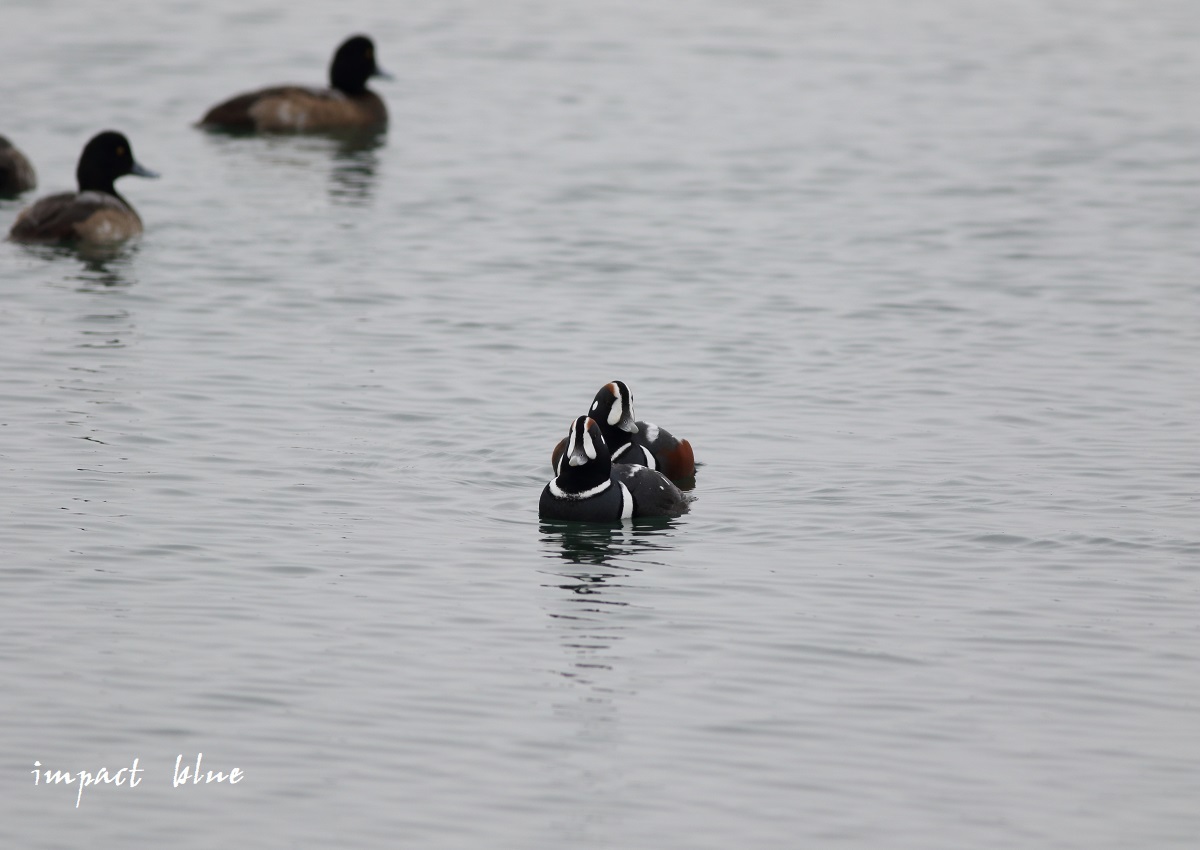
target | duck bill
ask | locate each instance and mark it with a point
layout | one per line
(382, 74)
(578, 457)
(140, 170)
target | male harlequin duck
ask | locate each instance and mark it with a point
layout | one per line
(590, 488)
(636, 442)
(16, 174)
(96, 213)
(347, 104)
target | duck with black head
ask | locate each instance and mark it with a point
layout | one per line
(94, 214)
(16, 174)
(634, 441)
(590, 488)
(346, 104)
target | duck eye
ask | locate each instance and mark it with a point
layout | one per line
(120, 150)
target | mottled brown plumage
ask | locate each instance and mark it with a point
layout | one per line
(16, 174)
(83, 216)
(96, 213)
(347, 104)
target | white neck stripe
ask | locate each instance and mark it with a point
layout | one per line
(559, 493)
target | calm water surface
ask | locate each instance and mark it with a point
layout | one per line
(919, 282)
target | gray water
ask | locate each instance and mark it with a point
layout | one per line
(918, 281)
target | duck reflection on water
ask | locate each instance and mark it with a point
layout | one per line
(600, 543)
(101, 266)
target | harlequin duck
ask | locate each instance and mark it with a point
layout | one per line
(96, 213)
(636, 442)
(347, 104)
(16, 174)
(589, 488)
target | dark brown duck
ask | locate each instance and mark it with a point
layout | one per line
(96, 213)
(16, 174)
(347, 104)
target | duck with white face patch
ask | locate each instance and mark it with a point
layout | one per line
(589, 488)
(631, 441)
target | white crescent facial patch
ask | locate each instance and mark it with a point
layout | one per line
(575, 442)
(618, 408)
(588, 446)
(572, 439)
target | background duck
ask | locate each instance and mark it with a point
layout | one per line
(16, 174)
(635, 442)
(96, 213)
(348, 103)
